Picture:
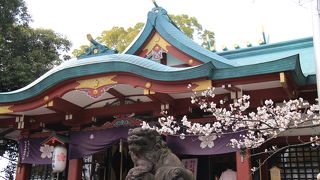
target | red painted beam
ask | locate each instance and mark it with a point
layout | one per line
(75, 169)
(23, 172)
(41, 100)
(243, 166)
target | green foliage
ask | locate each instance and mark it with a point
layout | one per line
(207, 36)
(115, 38)
(25, 53)
(11, 154)
(120, 38)
(188, 25)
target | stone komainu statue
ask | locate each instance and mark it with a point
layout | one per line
(152, 159)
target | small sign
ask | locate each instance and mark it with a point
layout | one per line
(275, 173)
(191, 164)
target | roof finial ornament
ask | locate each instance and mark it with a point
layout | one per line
(96, 49)
(155, 3)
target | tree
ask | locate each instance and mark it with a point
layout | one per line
(10, 151)
(25, 52)
(257, 126)
(188, 25)
(193, 29)
(120, 38)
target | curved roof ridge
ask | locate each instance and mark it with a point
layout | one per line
(106, 64)
(160, 21)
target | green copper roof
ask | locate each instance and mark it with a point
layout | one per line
(272, 51)
(291, 64)
(149, 69)
(160, 21)
(106, 64)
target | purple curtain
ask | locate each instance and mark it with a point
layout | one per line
(83, 143)
(88, 142)
(31, 152)
(191, 145)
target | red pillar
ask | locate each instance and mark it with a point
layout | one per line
(75, 169)
(243, 166)
(23, 172)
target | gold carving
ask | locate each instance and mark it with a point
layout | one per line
(283, 80)
(202, 85)
(46, 98)
(147, 91)
(148, 85)
(5, 109)
(190, 62)
(157, 39)
(49, 104)
(96, 82)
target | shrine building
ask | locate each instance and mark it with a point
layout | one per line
(88, 104)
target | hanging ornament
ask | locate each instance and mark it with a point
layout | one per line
(59, 158)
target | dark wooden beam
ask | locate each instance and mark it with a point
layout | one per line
(8, 122)
(116, 93)
(6, 131)
(162, 98)
(63, 106)
(50, 118)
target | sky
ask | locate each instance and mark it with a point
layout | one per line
(233, 21)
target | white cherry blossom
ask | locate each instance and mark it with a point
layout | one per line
(46, 151)
(207, 141)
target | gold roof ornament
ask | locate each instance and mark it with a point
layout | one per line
(249, 44)
(261, 42)
(155, 3)
(89, 37)
(224, 48)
